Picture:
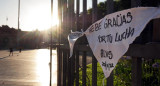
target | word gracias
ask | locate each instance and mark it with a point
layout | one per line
(117, 21)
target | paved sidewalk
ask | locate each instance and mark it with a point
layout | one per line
(28, 68)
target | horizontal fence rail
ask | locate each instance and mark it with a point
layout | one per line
(135, 50)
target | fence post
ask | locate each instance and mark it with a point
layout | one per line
(94, 60)
(136, 71)
(84, 53)
(110, 6)
(94, 71)
(72, 69)
(156, 30)
(84, 69)
(84, 13)
(64, 67)
(77, 68)
(136, 62)
(69, 72)
(77, 15)
(110, 9)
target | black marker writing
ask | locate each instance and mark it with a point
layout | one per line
(107, 65)
(95, 27)
(106, 54)
(128, 33)
(105, 38)
(118, 20)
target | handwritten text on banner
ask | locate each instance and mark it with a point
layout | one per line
(109, 38)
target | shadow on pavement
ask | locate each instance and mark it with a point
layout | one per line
(3, 57)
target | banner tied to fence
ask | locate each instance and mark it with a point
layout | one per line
(109, 38)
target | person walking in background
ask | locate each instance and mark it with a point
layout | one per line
(20, 49)
(11, 51)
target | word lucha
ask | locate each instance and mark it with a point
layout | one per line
(106, 54)
(128, 33)
(107, 65)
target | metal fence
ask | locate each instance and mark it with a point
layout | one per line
(142, 66)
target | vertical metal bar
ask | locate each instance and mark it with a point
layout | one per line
(84, 69)
(60, 67)
(77, 68)
(136, 71)
(51, 44)
(94, 60)
(68, 69)
(65, 29)
(69, 14)
(60, 19)
(135, 3)
(72, 14)
(136, 62)
(77, 15)
(69, 72)
(110, 80)
(59, 41)
(94, 71)
(94, 11)
(84, 53)
(73, 57)
(110, 6)
(64, 67)
(84, 13)
(72, 69)
(110, 9)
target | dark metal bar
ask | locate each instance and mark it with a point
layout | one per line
(110, 9)
(72, 69)
(94, 60)
(135, 3)
(94, 71)
(51, 44)
(110, 6)
(64, 67)
(69, 14)
(136, 71)
(110, 80)
(69, 71)
(72, 15)
(67, 67)
(84, 69)
(156, 30)
(77, 14)
(59, 56)
(77, 68)
(84, 13)
(60, 67)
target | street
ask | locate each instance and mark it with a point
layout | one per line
(28, 68)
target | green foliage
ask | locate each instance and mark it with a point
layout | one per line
(122, 73)
(100, 75)
(151, 72)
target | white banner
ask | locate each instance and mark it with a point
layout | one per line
(109, 38)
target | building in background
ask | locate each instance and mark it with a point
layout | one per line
(27, 39)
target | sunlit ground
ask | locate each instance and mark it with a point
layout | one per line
(43, 69)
